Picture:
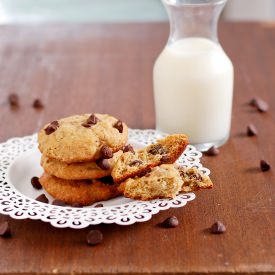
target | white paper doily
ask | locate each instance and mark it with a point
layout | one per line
(19, 162)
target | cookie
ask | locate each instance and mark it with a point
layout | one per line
(81, 138)
(82, 192)
(79, 170)
(193, 180)
(162, 182)
(133, 163)
(165, 181)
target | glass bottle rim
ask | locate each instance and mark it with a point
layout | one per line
(194, 2)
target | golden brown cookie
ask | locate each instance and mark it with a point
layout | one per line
(81, 138)
(79, 170)
(193, 180)
(134, 163)
(165, 181)
(82, 192)
(162, 182)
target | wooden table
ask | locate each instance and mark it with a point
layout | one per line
(108, 68)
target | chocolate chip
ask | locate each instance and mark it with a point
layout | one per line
(5, 231)
(218, 228)
(94, 237)
(265, 166)
(36, 183)
(212, 151)
(145, 173)
(253, 102)
(37, 104)
(128, 148)
(92, 119)
(103, 164)
(14, 100)
(165, 159)
(119, 126)
(196, 177)
(106, 152)
(99, 205)
(52, 127)
(157, 149)
(252, 130)
(42, 198)
(261, 105)
(59, 203)
(86, 125)
(107, 180)
(136, 163)
(170, 222)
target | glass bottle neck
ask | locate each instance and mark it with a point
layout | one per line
(193, 18)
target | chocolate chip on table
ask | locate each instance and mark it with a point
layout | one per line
(260, 104)
(52, 127)
(119, 126)
(103, 164)
(265, 166)
(106, 152)
(99, 205)
(92, 120)
(212, 151)
(14, 100)
(36, 183)
(135, 162)
(42, 198)
(253, 101)
(170, 222)
(251, 130)
(5, 230)
(94, 237)
(37, 104)
(59, 202)
(128, 148)
(218, 228)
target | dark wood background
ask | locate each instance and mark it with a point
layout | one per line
(108, 68)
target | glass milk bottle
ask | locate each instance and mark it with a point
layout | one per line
(193, 76)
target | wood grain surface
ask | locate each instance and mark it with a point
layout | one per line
(108, 68)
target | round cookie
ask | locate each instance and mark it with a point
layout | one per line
(78, 170)
(82, 192)
(81, 138)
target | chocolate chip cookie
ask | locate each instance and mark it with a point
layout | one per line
(136, 162)
(82, 192)
(79, 170)
(81, 138)
(193, 180)
(165, 181)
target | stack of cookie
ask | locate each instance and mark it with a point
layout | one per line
(78, 154)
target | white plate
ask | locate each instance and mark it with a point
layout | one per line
(20, 160)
